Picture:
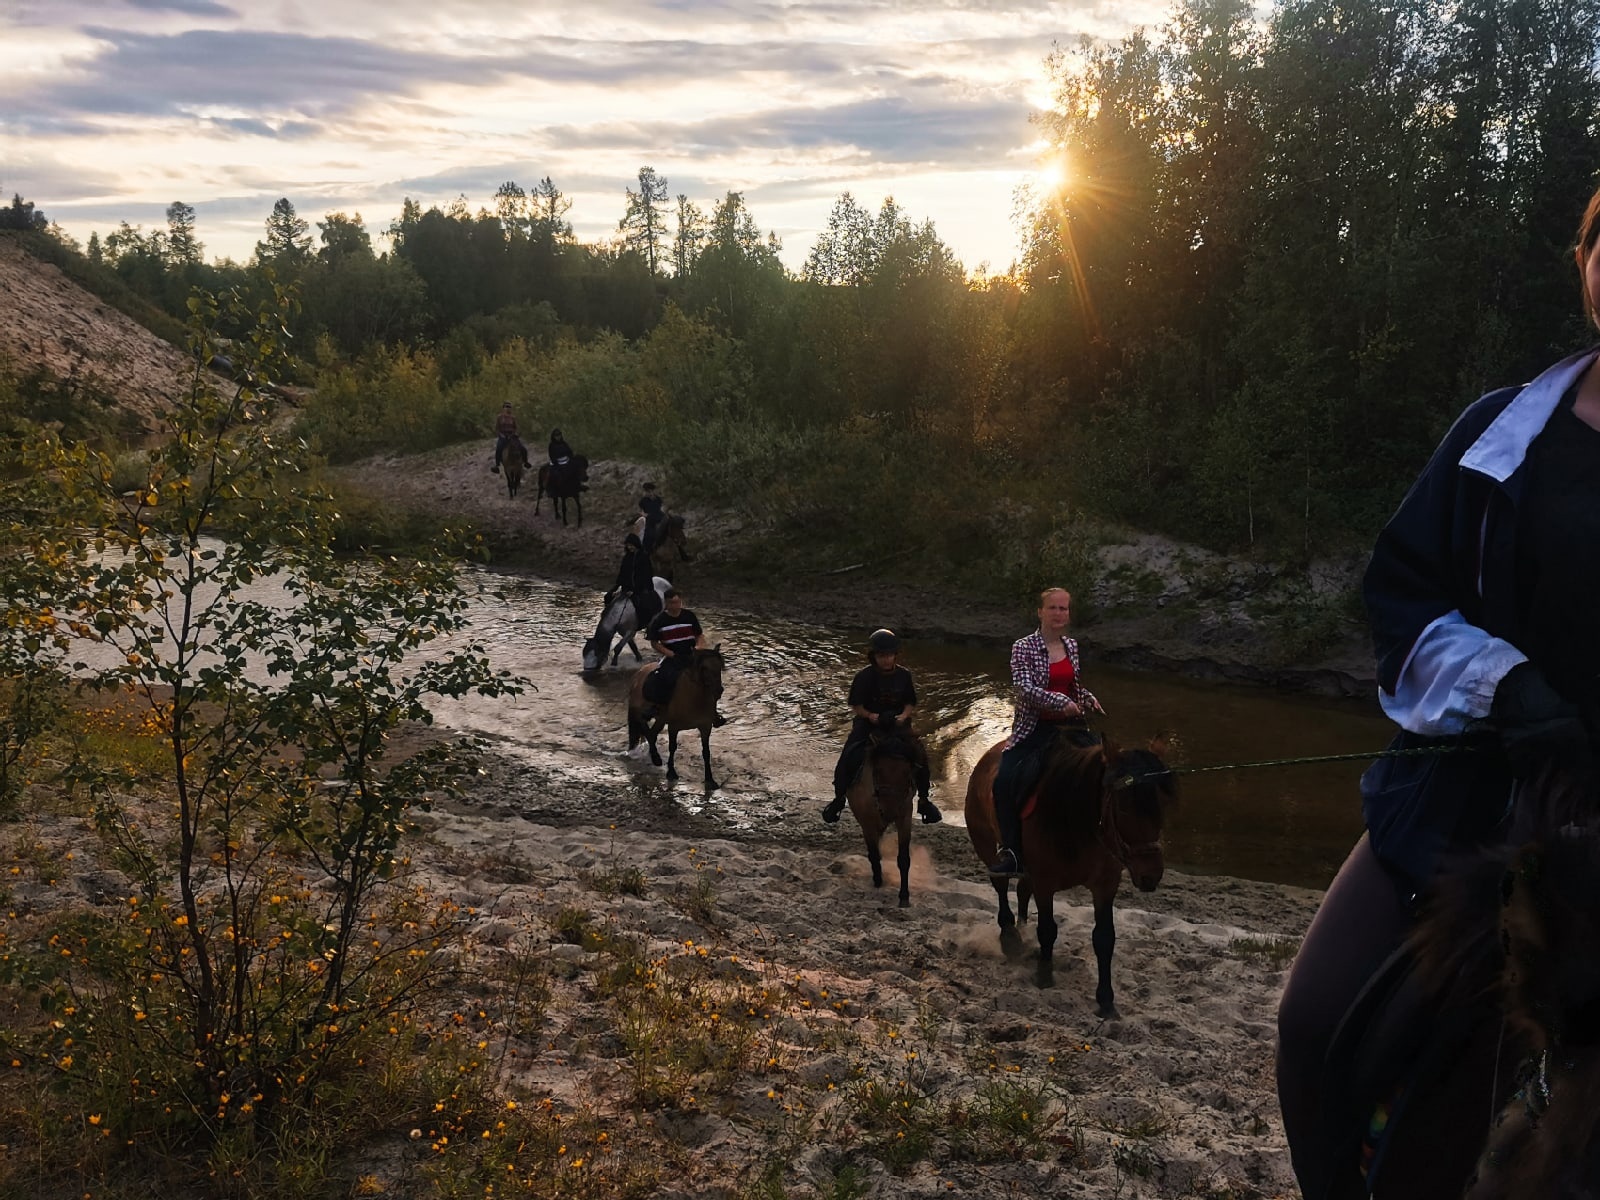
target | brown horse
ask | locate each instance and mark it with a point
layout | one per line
(1479, 1041)
(880, 798)
(1096, 811)
(671, 547)
(512, 461)
(563, 483)
(693, 706)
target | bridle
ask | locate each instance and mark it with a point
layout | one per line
(1110, 836)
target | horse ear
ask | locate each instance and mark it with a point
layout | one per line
(1110, 751)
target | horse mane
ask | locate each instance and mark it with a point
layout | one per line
(1069, 789)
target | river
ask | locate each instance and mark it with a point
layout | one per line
(786, 682)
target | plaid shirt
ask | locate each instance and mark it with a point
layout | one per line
(1030, 681)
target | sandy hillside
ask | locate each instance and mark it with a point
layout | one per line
(46, 320)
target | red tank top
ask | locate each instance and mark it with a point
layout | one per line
(1061, 677)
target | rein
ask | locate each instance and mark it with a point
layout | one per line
(1130, 780)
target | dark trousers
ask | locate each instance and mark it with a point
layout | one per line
(658, 687)
(1020, 768)
(854, 755)
(1362, 921)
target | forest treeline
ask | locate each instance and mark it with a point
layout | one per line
(1283, 256)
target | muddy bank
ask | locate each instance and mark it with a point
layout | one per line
(1154, 620)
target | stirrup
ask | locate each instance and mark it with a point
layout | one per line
(1006, 866)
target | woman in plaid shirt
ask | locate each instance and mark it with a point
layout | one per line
(1050, 698)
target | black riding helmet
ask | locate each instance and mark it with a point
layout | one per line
(882, 641)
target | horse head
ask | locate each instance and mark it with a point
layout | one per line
(591, 654)
(708, 664)
(1136, 792)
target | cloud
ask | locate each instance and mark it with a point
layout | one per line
(888, 129)
(198, 8)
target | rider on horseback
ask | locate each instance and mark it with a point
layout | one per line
(636, 578)
(1480, 593)
(883, 698)
(675, 634)
(505, 434)
(1050, 700)
(655, 516)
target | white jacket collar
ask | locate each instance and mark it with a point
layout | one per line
(1501, 447)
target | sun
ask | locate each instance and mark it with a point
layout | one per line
(1054, 175)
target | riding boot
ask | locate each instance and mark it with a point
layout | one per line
(1009, 819)
(834, 811)
(717, 719)
(928, 811)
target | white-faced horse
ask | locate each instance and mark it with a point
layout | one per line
(619, 624)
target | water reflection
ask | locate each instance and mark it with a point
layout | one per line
(786, 682)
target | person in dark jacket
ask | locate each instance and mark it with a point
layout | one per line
(1480, 593)
(636, 578)
(560, 452)
(883, 698)
(655, 516)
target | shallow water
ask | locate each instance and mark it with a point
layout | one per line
(785, 692)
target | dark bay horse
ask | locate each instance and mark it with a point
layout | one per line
(513, 461)
(693, 706)
(1478, 1043)
(880, 798)
(1096, 811)
(563, 483)
(619, 624)
(671, 547)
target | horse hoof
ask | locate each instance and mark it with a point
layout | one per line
(712, 785)
(1011, 944)
(905, 901)
(1108, 1012)
(1046, 978)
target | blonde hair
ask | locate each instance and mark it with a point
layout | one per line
(1051, 591)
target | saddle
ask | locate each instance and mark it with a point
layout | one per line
(1399, 1059)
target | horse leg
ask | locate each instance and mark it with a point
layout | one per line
(873, 833)
(705, 756)
(655, 752)
(672, 754)
(1024, 894)
(1010, 939)
(902, 859)
(578, 500)
(1046, 976)
(1105, 941)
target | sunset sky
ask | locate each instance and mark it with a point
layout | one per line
(111, 109)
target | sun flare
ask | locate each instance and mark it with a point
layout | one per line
(1054, 175)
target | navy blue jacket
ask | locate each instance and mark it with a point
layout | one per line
(1441, 597)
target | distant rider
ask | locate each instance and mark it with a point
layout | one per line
(560, 452)
(675, 634)
(505, 434)
(883, 698)
(655, 516)
(636, 578)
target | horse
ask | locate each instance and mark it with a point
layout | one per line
(513, 460)
(619, 623)
(671, 546)
(1096, 811)
(1470, 1064)
(563, 483)
(693, 706)
(880, 798)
